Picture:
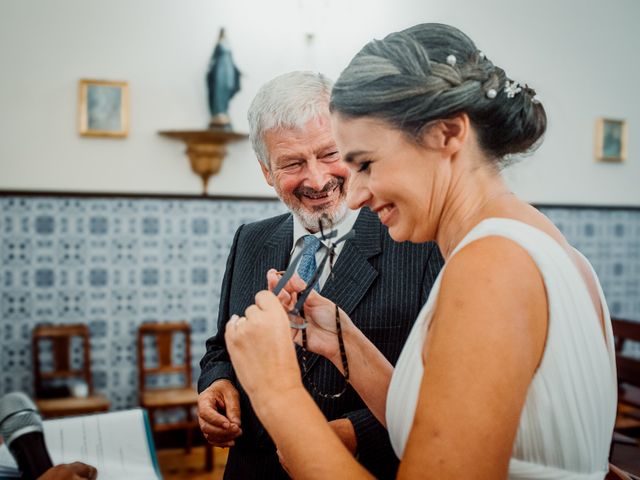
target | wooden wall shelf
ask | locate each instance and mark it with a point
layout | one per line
(205, 148)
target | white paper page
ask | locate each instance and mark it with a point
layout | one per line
(115, 443)
(8, 467)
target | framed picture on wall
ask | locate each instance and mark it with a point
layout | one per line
(103, 108)
(611, 140)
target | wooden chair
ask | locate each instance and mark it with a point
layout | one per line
(616, 473)
(628, 374)
(624, 456)
(52, 391)
(625, 446)
(161, 337)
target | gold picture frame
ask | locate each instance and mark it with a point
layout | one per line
(103, 108)
(611, 140)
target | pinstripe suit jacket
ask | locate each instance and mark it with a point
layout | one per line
(381, 285)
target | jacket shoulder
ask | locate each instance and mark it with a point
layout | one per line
(266, 225)
(257, 233)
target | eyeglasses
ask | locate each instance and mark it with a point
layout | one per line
(297, 312)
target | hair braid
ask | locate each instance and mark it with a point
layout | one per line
(406, 80)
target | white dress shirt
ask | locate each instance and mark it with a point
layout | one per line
(343, 228)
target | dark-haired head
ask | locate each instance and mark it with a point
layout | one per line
(433, 71)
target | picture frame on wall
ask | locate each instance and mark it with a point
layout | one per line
(103, 108)
(611, 140)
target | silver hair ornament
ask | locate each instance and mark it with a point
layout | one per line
(512, 88)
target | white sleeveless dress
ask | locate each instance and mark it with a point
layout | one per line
(567, 422)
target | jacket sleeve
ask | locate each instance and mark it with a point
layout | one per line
(374, 449)
(215, 363)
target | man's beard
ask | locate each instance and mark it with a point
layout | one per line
(310, 219)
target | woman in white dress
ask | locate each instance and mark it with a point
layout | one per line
(509, 371)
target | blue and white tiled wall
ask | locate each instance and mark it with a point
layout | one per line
(115, 263)
(610, 239)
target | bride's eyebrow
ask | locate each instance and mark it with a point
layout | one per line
(351, 157)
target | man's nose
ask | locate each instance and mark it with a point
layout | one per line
(317, 176)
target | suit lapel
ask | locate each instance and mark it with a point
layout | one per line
(353, 274)
(274, 254)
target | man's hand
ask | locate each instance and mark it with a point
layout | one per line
(70, 471)
(346, 433)
(219, 413)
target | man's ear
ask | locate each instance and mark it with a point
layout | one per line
(448, 135)
(266, 171)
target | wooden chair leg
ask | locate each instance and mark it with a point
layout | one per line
(208, 456)
(189, 431)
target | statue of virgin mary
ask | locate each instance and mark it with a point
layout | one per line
(223, 82)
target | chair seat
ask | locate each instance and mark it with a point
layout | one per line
(168, 397)
(57, 407)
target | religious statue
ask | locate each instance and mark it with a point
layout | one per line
(223, 82)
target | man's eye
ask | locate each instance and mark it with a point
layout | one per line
(291, 166)
(330, 154)
(364, 166)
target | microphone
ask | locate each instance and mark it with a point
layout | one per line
(21, 428)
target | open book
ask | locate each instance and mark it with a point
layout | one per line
(118, 444)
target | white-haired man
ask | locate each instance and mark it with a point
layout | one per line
(381, 284)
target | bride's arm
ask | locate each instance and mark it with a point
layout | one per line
(308, 445)
(484, 344)
(265, 361)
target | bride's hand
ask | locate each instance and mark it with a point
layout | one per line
(320, 315)
(260, 348)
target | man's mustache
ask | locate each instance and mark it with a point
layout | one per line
(311, 192)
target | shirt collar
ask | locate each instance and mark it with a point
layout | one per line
(343, 227)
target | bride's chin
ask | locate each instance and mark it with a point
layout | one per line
(397, 235)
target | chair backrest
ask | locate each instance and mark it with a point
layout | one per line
(164, 337)
(616, 473)
(628, 367)
(60, 338)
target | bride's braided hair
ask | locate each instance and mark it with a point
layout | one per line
(434, 71)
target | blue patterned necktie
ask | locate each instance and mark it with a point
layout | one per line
(307, 265)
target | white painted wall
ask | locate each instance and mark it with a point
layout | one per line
(580, 55)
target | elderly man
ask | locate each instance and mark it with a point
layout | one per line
(381, 284)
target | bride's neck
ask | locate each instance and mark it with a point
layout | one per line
(470, 200)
